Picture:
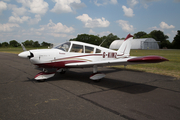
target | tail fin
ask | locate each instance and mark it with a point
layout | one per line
(124, 49)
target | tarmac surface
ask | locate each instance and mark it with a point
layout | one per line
(121, 95)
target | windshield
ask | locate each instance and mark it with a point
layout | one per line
(64, 46)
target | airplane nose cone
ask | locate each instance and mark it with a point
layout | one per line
(24, 54)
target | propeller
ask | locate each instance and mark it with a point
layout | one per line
(31, 55)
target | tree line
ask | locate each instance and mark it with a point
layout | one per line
(27, 43)
(156, 34)
(105, 41)
(162, 38)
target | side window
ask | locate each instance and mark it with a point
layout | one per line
(89, 49)
(77, 48)
(98, 50)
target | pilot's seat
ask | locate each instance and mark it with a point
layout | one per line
(80, 51)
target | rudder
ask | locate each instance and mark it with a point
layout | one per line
(124, 49)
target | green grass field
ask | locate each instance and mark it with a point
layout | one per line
(16, 50)
(169, 68)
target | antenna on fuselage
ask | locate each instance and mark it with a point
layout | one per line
(102, 42)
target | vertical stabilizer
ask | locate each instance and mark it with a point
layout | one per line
(124, 49)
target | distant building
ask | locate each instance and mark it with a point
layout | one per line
(145, 43)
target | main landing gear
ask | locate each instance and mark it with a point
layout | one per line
(45, 74)
(61, 70)
(96, 76)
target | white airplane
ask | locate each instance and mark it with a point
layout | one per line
(75, 54)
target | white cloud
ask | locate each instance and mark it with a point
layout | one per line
(164, 25)
(101, 34)
(91, 31)
(132, 3)
(36, 6)
(113, 1)
(3, 6)
(171, 35)
(144, 2)
(127, 11)
(59, 27)
(154, 28)
(45, 32)
(8, 27)
(58, 35)
(17, 11)
(92, 23)
(174, 32)
(17, 19)
(104, 2)
(84, 18)
(125, 25)
(66, 6)
(35, 20)
(105, 33)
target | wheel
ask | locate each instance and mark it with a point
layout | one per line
(62, 72)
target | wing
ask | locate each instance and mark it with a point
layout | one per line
(120, 61)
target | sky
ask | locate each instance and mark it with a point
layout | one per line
(57, 21)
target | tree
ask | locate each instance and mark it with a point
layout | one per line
(159, 36)
(109, 39)
(139, 34)
(45, 44)
(96, 40)
(28, 43)
(92, 39)
(14, 43)
(176, 41)
(0, 44)
(5, 44)
(146, 36)
(36, 44)
(166, 44)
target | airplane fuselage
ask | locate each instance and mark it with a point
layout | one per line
(57, 58)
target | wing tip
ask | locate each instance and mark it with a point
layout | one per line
(148, 59)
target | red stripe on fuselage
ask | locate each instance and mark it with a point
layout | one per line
(80, 56)
(60, 64)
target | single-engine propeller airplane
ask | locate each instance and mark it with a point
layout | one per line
(75, 54)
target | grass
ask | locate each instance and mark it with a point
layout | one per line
(169, 68)
(16, 50)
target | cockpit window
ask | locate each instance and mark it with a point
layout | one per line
(64, 46)
(89, 49)
(98, 50)
(77, 48)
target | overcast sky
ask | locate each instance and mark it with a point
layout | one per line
(57, 21)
